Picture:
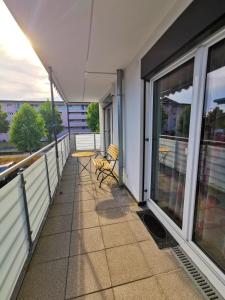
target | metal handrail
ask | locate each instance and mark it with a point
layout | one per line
(27, 159)
(184, 139)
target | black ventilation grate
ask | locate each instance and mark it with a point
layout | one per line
(201, 282)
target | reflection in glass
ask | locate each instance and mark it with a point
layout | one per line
(209, 228)
(171, 118)
(108, 126)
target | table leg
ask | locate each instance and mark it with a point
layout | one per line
(84, 166)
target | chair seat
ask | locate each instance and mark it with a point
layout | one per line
(101, 163)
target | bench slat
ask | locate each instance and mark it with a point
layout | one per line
(113, 151)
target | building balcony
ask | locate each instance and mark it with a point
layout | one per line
(84, 241)
(78, 123)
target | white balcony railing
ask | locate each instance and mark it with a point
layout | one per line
(24, 203)
(86, 141)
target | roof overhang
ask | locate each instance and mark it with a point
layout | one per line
(86, 41)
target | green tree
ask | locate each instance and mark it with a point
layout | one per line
(215, 119)
(4, 124)
(184, 122)
(27, 129)
(93, 117)
(164, 117)
(46, 113)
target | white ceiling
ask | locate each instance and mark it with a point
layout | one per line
(80, 39)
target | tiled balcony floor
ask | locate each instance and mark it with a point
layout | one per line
(94, 247)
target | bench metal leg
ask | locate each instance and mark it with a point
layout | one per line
(107, 175)
(100, 172)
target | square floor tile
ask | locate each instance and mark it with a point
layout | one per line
(145, 289)
(153, 256)
(68, 178)
(117, 234)
(86, 194)
(45, 281)
(126, 263)
(57, 225)
(103, 204)
(85, 220)
(84, 206)
(85, 188)
(87, 273)
(139, 230)
(104, 295)
(52, 247)
(64, 197)
(131, 211)
(61, 209)
(67, 187)
(125, 200)
(111, 216)
(86, 240)
(176, 285)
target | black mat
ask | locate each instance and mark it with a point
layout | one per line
(159, 233)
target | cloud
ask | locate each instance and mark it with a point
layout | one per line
(22, 76)
(20, 79)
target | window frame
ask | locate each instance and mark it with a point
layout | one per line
(185, 235)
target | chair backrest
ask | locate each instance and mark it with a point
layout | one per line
(113, 151)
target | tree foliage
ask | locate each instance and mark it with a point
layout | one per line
(46, 113)
(184, 122)
(164, 117)
(93, 117)
(4, 124)
(214, 120)
(27, 129)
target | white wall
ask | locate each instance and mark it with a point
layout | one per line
(101, 127)
(133, 108)
(132, 103)
(115, 119)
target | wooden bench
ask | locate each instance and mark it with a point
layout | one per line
(105, 164)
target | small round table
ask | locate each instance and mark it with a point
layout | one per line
(84, 154)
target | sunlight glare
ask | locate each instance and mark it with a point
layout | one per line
(12, 40)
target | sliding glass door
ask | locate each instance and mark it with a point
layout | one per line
(172, 99)
(108, 126)
(209, 224)
(187, 154)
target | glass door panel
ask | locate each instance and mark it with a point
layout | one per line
(209, 224)
(108, 126)
(171, 117)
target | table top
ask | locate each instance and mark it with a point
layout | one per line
(83, 154)
(164, 149)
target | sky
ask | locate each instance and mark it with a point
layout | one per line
(215, 89)
(22, 75)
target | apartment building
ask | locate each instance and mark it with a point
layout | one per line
(75, 112)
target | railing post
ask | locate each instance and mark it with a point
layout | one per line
(94, 142)
(62, 154)
(64, 142)
(68, 118)
(29, 232)
(120, 123)
(75, 142)
(68, 146)
(54, 123)
(48, 180)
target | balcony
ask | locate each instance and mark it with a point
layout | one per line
(79, 239)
